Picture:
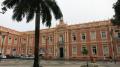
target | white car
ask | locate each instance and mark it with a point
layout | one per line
(3, 56)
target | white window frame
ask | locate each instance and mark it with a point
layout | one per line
(102, 35)
(15, 40)
(9, 40)
(96, 49)
(50, 39)
(82, 48)
(118, 49)
(85, 36)
(93, 37)
(74, 52)
(105, 53)
(61, 38)
(43, 40)
(74, 35)
(118, 34)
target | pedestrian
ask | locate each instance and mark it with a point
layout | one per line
(105, 60)
(0, 57)
(110, 58)
(115, 60)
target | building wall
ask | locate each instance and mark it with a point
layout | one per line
(65, 41)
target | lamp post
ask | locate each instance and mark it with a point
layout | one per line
(4, 9)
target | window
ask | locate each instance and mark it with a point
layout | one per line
(105, 50)
(118, 49)
(74, 50)
(61, 38)
(73, 37)
(15, 40)
(50, 39)
(103, 35)
(118, 34)
(30, 50)
(49, 50)
(43, 40)
(94, 49)
(41, 51)
(84, 47)
(9, 40)
(93, 35)
(83, 35)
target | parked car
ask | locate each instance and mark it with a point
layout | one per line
(3, 56)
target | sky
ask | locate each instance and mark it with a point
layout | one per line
(74, 12)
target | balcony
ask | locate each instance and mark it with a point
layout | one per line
(61, 42)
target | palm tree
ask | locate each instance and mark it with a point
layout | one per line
(116, 18)
(42, 9)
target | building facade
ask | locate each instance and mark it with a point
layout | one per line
(100, 38)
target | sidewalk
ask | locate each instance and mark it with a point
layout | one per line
(49, 63)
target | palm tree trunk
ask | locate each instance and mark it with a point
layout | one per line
(36, 48)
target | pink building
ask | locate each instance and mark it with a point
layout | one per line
(100, 38)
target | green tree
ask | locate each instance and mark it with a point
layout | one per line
(116, 18)
(85, 52)
(41, 9)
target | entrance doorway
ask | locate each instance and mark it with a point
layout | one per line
(61, 52)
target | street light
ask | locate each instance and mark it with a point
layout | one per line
(4, 9)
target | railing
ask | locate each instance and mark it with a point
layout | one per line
(61, 42)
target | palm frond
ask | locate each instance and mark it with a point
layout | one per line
(30, 15)
(10, 3)
(55, 9)
(27, 8)
(46, 14)
(18, 13)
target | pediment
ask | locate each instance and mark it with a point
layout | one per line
(61, 25)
